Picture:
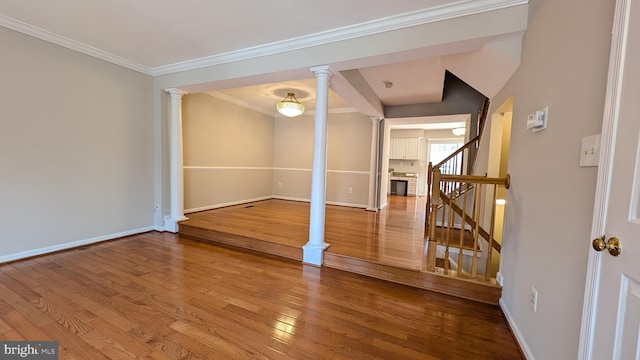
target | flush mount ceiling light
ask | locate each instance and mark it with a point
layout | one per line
(290, 106)
(459, 131)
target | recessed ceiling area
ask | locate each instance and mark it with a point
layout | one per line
(412, 82)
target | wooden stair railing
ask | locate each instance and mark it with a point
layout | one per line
(454, 163)
(451, 165)
(457, 207)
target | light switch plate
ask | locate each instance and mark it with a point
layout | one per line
(590, 150)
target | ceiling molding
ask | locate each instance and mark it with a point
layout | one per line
(342, 110)
(48, 36)
(231, 99)
(445, 12)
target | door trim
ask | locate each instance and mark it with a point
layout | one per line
(605, 168)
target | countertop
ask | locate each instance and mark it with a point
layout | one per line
(403, 175)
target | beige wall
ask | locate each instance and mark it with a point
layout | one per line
(550, 203)
(228, 153)
(233, 155)
(348, 156)
(76, 145)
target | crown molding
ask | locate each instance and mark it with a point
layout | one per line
(53, 38)
(445, 12)
(231, 99)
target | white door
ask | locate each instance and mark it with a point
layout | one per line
(611, 321)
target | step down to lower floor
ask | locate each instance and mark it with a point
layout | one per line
(488, 292)
(464, 288)
(218, 237)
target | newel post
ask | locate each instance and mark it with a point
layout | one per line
(435, 201)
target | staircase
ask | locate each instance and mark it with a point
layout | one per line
(460, 227)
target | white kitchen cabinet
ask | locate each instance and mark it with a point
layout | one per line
(405, 148)
(412, 185)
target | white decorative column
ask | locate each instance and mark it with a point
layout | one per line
(373, 164)
(312, 250)
(175, 162)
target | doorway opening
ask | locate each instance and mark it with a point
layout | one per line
(498, 161)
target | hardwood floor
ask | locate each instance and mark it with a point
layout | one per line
(160, 296)
(388, 244)
(393, 236)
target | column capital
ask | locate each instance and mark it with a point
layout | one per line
(375, 119)
(174, 92)
(322, 70)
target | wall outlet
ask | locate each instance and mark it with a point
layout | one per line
(533, 299)
(279, 184)
(350, 190)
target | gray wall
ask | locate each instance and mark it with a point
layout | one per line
(550, 203)
(76, 148)
(457, 98)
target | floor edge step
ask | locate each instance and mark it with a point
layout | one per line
(222, 238)
(463, 288)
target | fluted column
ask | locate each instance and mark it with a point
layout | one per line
(312, 250)
(373, 164)
(175, 162)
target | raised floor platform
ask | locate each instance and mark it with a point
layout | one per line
(387, 245)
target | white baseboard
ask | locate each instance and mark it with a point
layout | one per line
(519, 338)
(347, 204)
(71, 245)
(290, 198)
(361, 206)
(232, 203)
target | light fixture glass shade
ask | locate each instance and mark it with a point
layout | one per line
(459, 131)
(289, 106)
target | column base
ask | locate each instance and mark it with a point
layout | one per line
(372, 209)
(312, 254)
(171, 224)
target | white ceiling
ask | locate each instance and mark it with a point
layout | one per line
(154, 35)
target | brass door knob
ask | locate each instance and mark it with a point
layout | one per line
(612, 245)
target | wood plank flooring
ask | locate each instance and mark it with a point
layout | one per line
(393, 236)
(388, 245)
(160, 296)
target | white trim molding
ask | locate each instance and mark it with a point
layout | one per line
(236, 101)
(269, 111)
(401, 21)
(226, 168)
(355, 172)
(232, 203)
(605, 170)
(416, 18)
(71, 245)
(516, 331)
(53, 38)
